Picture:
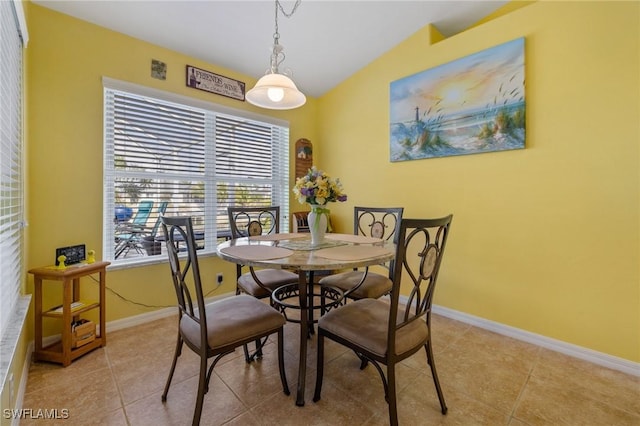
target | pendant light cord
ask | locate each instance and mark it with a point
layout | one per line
(288, 15)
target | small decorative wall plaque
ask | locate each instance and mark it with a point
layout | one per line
(158, 69)
(304, 157)
(215, 83)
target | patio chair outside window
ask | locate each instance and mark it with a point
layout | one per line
(128, 235)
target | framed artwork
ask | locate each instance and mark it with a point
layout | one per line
(468, 106)
(158, 69)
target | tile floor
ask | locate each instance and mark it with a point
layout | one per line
(487, 379)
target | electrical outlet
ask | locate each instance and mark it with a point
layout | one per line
(220, 278)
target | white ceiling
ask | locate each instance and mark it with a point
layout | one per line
(324, 41)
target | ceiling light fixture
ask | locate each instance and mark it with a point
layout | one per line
(276, 90)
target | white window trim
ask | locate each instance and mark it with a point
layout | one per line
(109, 203)
(13, 319)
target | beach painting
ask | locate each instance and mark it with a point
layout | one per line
(471, 105)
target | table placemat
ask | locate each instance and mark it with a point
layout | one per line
(305, 245)
(356, 239)
(349, 252)
(257, 252)
(278, 237)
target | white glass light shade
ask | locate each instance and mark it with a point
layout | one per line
(267, 90)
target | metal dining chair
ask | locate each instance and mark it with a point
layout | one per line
(383, 333)
(376, 222)
(212, 330)
(259, 283)
(251, 222)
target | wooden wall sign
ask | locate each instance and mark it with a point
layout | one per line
(214, 83)
(304, 157)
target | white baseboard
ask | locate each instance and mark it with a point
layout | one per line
(155, 315)
(140, 319)
(599, 358)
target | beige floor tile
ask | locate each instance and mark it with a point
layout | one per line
(483, 373)
(253, 383)
(335, 408)
(446, 331)
(418, 404)
(606, 385)
(86, 395)
(146, 372)
(220, 405)
(363, 385)
(42, 374)
(487, 379)
(543, 403)
(83, 418)
(245, 419)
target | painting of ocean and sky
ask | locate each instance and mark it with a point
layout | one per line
(468, 106)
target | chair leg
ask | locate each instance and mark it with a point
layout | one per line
(258, 352)
(202, 389)
(391, 394)
(247, 358)
(363, 361)
(176, 354)
(434, 374)
(319, 367)
(283, 374)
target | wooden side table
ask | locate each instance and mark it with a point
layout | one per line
(63, 352)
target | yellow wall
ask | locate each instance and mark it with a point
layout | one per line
(67, 60)
(545, 239)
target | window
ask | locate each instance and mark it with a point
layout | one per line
(188, 158)
(12, 37)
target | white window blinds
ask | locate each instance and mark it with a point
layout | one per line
(164, 151)
(11, 159)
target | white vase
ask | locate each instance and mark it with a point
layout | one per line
(317, 219)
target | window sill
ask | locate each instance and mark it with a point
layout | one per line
(150, 260)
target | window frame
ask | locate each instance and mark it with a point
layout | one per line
(211, 207)
(12, 166)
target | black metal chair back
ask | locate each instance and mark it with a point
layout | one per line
(378, 222)
(212, 330)
(178, 233)
(420, 247)
(253, 221)
(392, 333)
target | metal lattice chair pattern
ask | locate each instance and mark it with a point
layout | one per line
(254, 221)
(376, 222)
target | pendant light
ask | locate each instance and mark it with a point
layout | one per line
(276, 90)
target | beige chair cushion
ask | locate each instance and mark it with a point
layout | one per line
(270, 278)
(364, 322)
(232, 320)
(373, 287)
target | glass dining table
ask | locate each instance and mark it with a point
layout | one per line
(294, 251)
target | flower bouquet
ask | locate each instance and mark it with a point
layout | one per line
(316, 188)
